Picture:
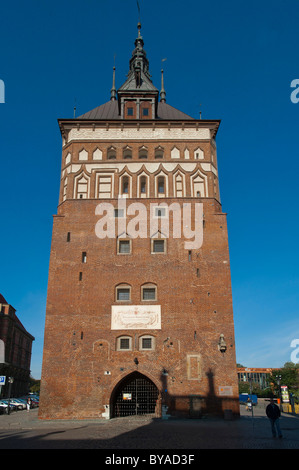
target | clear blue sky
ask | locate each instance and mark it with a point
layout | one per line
(236, 59)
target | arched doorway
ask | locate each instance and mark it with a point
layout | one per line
(136, 394)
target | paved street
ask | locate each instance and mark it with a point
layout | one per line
(23, 430)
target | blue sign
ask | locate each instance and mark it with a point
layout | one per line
(2, 379)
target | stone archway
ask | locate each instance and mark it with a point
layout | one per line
(135, 394)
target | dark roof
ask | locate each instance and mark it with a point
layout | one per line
(2, 299)
(110, 111)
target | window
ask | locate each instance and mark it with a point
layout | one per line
(111, 155)
(124, 343)
(143, 185)
(158, 246)
(125, 185)
(146, 343)
(84, 257)
(68, 237)
(142, 153)
(159, 152)
(127, 153)
(161, 185)
(160, 212)
(124, 247)
(145, 112)
(118, 213)
(149, 293)
(123, 293)
(130, 111)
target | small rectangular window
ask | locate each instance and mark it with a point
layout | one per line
(118, 213)
(158, 246)
(80, 276)
(146, 343)
(84, 257)
(124, 246)
(68, 237)
(123, 293)
(145, 112)
(124, 343)
(130, 111)
(149, 293)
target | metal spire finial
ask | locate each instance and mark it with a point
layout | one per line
(162, 92)
(113, 89)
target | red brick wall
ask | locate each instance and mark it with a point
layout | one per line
(196, 307)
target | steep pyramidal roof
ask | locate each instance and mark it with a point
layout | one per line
(138, 83)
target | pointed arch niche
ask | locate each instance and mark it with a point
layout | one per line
(82, 186)
(161, 184)
(179, 184)
(143, 185)
(199, 186)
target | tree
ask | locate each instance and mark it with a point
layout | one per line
(289, 374)
(34, 385)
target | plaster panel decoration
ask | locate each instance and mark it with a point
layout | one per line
(198, 154)
(83, 155)
(193, 367)
(199, 185)
(88, 133)
(81, 186)
(179, 184)
(64, 189)
(68, 158)
(209, 167)
(105, 184)
(134, 317)
(97, 154)
(186, 154)
(175, 153)
(135, 167)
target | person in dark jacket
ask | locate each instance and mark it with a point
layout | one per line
(273, 413)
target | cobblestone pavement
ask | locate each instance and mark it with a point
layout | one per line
(23, 430)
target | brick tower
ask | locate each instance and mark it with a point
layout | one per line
(139, 313)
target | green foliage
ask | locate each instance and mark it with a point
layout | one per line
(289, 376)
(34, 385)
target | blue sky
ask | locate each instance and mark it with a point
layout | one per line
(233, 60)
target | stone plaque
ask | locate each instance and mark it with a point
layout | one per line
(225, 391)
(136, 317)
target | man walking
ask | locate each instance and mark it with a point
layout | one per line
(273, 413)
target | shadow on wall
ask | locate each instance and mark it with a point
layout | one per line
(197, 406)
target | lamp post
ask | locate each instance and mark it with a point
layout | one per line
(278, 380)
(10, 382)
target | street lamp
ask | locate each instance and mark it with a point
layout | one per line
(10, 382)
(278, 380)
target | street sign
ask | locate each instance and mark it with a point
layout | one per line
(2, 379)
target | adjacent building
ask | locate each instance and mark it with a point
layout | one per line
(139, 313)
(15, 351)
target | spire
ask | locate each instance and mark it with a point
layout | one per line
(113, 89)
(162, 92)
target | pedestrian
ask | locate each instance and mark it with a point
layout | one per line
(273, 413)
(28, 404)
(248, 405)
